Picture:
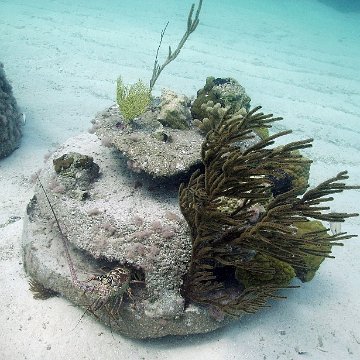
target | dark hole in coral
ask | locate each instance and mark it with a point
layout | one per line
(231, 287)
(281, 182)
(166, 138)
(221, 81)
(120, 125)
(31, 206)
(171, 183)
(226, 276)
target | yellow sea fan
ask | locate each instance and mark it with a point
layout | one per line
(133, 99)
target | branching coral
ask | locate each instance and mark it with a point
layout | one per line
(258, 234)
(215, 113)
(227, 92)
(191, 26)
(212, 114)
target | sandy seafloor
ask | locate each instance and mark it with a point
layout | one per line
(298, 59)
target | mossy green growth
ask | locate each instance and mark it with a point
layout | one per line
(63, 163)
(311, 263)
(173, 121)
(133, 100)
(76, 171)
(273, 271)
(71, 163)
(300, 173)
(262, 132)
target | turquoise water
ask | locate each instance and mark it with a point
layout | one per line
(343, 5)
(298, 59)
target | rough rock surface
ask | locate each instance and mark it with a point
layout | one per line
(126, 219)
(148, 145)
(165, 141)
(11, 119)
(174, 110)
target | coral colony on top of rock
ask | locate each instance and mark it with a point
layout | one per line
(187, 213)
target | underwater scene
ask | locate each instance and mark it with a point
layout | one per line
(180, 179)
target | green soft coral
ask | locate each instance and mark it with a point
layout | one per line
(281, 273)
(311, 263)
(133, 100)
(300, 173)
(274, 271)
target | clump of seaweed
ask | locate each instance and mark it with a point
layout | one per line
(243, 253)
(40, 292)
(133, 99)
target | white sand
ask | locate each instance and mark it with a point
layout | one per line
(299, 59)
